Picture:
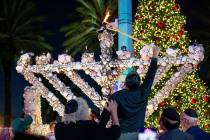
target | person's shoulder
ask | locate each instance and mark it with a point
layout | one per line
(186, 135)
(203, 134)
(189, 136)
(165, 137)
(176, 134)
(60, 124)
(195, 130)
(119, 93)
(86, 123)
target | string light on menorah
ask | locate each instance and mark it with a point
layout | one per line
(106, 71)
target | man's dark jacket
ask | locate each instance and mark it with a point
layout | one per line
(132, 103)
(198, 133)
(176, 134)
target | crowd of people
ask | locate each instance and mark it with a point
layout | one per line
(126, 108)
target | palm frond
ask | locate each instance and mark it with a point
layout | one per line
(2, 36)
(82, 32)
(22, 26)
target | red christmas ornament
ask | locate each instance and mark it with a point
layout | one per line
(206, 99)
(162, 104)
(176, 7)
(137, 17)
(161, 25)
(180, 33)
(193, 101)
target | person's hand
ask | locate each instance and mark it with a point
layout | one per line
(112, 106)
(156, 51)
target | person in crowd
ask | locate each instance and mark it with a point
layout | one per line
(132, 100)
(77, 123)
(5, 133)
(189, 124)
(169, 123)
(51, 134)
(22, 125)
(22, 131)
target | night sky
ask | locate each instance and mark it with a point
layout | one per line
(57, 12)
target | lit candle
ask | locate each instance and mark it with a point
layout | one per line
(112, 28)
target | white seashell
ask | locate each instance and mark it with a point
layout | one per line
(150, 107)
(177, 74)
(69, 97)
(19, 69)
(163, 63)
(50, 95)
(65, 93)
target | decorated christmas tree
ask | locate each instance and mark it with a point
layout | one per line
(160, 22)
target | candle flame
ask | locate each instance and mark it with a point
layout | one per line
(106, 17)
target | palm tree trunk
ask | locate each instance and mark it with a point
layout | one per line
(7, 64)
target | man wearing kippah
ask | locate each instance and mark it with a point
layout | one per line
(169, 123)
(189, 123)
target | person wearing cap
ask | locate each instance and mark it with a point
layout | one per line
(189, 124)
(169, 123)
(77, 123)
(21, 129)
(22, 125)
(132, 101)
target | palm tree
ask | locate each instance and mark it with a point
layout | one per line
(20, 29)
(89, 17)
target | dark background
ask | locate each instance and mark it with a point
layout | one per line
(57, 13)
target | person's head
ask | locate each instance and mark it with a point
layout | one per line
(52, 126)
(75, 110)
(22, 125)
(169, 119)
(132, 80)
(189, 118)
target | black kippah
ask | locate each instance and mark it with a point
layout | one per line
(190, 112)
(71, 106)
(171, 114)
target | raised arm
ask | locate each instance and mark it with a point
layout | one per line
(114, 131)
(104, 117)
(110, 110)
(147, 84)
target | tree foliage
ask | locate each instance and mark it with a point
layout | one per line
(89, 17)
